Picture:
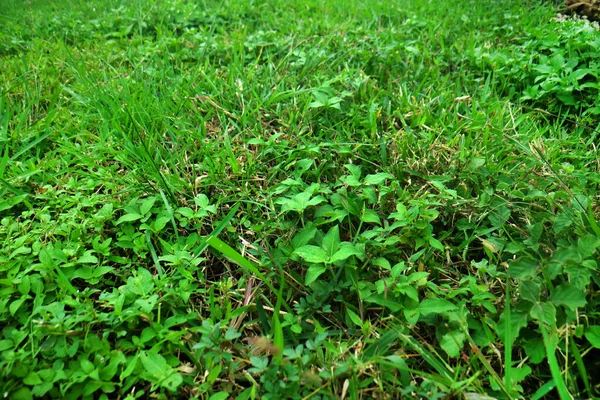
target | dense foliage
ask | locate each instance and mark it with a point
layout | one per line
(309, 199)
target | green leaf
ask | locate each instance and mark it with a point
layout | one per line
(316, 200)
(567, 98)
(185, 211)
(23, 393)
(579, 276)
(453, 342)
(86, 366)
(550, 343)
(304, 237)
(412, 316)
(354, 317)
(587, 245)
(130, 367)
(214, 374)
(110, 370)
(129, 218)
(88, 258)
(15, 305)
(568, 296)
(160, 223)
(219, 396)
(384, 301)
(32, 378)
(518, 320)
(534, 348)
(411, 292)
(544, 313)
(312, 254)
(173, 381)
(154, 364)
(202, 201)
(370, 216)
(435, 306)
(355, 170)
(592, 334)
(231, 334)
(6, 344)
(519, 374)
(530, 291)
(523, 268)
(382, 263)
(331, 241)
(313, 272)
(561, 222)
(436, 244)
(478, 396)
(301, 200)
(147, 205)
(350, 180)
(247, 266)
(347, 250)
(377, 179)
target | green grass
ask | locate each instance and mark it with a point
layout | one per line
(305, 200)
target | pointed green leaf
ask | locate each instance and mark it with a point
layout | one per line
(129, 218)
(354, 317)
(331, 241)
(436, 244)
(355, 170)
(384, 301)
(377, 179)
(412, 316)
(347, 250)
(313, 272)
(435, 306)
(304, 236)
(147, 205)
(316, 200)
(312, 254)
(370, 216)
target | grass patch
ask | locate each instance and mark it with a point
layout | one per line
(337, 199)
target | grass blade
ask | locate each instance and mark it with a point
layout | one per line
(550, 343)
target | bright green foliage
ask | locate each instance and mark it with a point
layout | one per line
(311, 199)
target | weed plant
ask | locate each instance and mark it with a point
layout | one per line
(301, 200)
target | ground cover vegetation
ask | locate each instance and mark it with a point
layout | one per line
(305, 200)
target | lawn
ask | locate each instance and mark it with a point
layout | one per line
(298, 200)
